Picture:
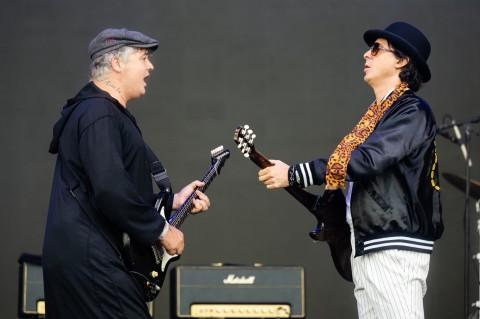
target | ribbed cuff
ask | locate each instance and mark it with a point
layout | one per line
(302, 174)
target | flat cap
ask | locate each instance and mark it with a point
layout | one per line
(113, 39)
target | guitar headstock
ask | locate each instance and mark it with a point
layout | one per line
(244, 137)
(219, 156)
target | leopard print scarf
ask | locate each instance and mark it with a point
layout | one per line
(338, 161)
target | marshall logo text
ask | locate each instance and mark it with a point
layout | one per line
(238, 280)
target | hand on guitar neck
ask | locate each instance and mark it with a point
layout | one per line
(275, 176)
(201, 202)
(244, 138)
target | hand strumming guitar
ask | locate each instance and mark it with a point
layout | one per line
(173, 241)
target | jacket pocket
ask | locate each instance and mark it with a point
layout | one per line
(378, 199)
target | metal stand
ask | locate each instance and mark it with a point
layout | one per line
(477, 257)
(467, 249)
(464, 144)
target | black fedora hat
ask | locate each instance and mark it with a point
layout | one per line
(407, 39)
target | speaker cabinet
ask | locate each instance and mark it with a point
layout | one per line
(31, 300)
(237, 292)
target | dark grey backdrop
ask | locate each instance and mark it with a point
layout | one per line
(290, 68)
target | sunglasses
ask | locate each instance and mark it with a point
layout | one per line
(376, 47)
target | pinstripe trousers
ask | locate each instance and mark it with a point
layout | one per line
(390, 284)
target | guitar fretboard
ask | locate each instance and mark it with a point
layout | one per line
(178, 218)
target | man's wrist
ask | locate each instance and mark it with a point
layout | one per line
(165, 230)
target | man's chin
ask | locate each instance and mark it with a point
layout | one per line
(367, 79)
(138, 95)
(142, 91)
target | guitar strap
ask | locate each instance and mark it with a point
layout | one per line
(159, 174)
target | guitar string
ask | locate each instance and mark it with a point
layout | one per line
(183, 211)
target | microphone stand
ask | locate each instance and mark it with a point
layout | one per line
(476, 304)
(477, 257)
(459, 124)
(466, 217)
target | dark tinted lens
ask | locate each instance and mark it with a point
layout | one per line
(375, 48)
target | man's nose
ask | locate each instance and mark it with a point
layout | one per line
(150, 65)
(367, 54)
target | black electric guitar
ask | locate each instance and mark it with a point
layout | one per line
(329, 209)
(148, 264)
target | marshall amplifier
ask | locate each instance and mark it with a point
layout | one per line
(31, 300)
(237, 292)
(31, 303)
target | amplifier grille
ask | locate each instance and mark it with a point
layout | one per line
(240, 311)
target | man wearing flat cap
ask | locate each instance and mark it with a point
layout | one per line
(387, 166)
(102, 188)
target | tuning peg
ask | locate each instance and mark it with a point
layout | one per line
(246, 127)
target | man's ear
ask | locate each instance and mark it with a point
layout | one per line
(402, 62)
(117, 65)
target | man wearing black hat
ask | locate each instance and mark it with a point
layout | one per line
(388, 166)
(102, 188)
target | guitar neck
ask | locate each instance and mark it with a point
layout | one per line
(308, 200)
(182, 213)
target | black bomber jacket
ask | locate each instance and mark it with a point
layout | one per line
(395, 200)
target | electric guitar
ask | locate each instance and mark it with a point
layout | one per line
(148, 264)
(329, 209)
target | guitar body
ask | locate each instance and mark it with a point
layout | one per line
(148, 267)
(329, 209)
(149, 264)
(333, 228)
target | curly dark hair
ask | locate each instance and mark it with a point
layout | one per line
(409, 73)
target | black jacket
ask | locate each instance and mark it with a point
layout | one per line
(101, 151)
(104, 166)
(395, 200)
